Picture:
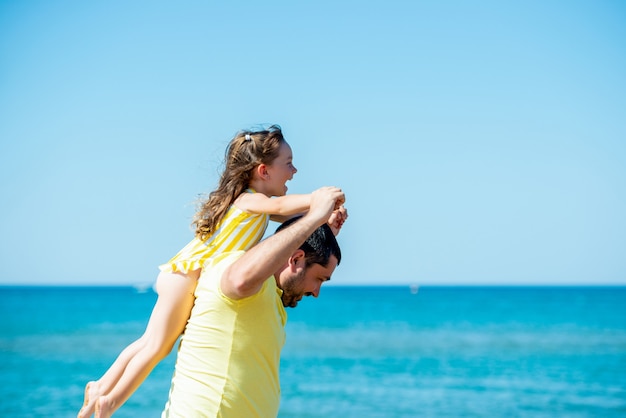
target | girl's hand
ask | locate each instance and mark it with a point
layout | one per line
(337, 219)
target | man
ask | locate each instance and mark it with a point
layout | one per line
(228, 360)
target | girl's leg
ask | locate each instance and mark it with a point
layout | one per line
(167, 322)
(105, 384)
(95, 389)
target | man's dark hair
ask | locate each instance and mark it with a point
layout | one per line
(319, 246)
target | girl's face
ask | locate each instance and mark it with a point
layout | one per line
(281, 170)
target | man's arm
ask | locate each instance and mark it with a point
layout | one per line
(246, 275)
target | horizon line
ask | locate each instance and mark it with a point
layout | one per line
(142, 286)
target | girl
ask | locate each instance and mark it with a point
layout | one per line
(234, 217)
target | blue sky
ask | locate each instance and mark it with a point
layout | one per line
(477, 142)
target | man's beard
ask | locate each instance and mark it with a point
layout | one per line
(292, 292)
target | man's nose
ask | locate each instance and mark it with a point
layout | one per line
(316, 291)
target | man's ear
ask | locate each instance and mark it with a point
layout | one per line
(297, 260)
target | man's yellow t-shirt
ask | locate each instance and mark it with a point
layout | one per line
(229, 356)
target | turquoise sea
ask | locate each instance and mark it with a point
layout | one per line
(353, 352)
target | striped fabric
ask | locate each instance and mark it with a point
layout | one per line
(238, 230)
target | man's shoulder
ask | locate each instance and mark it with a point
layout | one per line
(222, 259)
(213, 269)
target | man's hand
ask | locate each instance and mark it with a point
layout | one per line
(324, 201)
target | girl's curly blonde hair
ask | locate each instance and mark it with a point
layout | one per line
(246, 151)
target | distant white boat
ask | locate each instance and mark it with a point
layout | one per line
(414, 289)
(142, 288)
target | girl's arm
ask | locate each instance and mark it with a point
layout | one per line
(279, 208)
(280, 219)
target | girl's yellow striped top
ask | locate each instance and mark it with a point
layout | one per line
(238, 230)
